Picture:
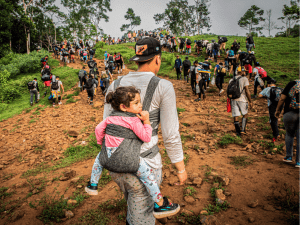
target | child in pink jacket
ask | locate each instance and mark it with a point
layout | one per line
(127, 99)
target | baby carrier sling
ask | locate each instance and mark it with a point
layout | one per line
(126, 158)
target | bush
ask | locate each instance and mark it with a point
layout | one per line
(4, 76)
(16, 64)
(3, 106)
(9, 93)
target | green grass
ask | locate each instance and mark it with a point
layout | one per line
(211, 209)
(213, 190)
(72, 155)
(229, 139)
(192, 191)
(180, 110)
(241, 161)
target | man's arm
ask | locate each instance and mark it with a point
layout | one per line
(62, 87)
(170, 129)
(248, 96)
(279, 105)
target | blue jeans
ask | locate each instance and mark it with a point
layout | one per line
(91, 57)
(291, 123)
(250, 47)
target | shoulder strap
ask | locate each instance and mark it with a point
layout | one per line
(117, 83)
(149, 92)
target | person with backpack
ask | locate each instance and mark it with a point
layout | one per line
(235, 46)
(260, 78)
(87, 43)
(174, 42)
(222, 42)
(127, 100)
(56, 85)
(44, 60)
(92, 53)
(201, 77)
(290, 97)
(111, 63)
(140, 206)
(106, 55)
(193, 72)
(84, 54)
(178, 67)
(33, 88)
(209, 50)
(119, 62)
(91, 64)
(249, 43)
(47, 84)
(272, 93)
(241, 57)
(188, 46)
(82, 78)
(72, 55)
(248, 63)
(238, 93)
(221, 73)
(215, 50)
(186, 68)
(206, 73)
(181, 46)
(90, 88)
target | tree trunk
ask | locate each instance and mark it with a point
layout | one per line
(28, 42)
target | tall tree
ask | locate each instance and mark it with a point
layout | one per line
(177, 17)
(201, 14)
(252, 17)
(269, 24)
(290, 16)
(133, 19)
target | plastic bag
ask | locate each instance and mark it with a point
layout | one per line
(123, 66)
(213, 81)
(197, 89)
(38, 97)
(228, 105)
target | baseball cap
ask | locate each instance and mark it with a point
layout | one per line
(146, 49)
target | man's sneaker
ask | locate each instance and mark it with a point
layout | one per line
(273, 140)
(166, 210)
(297, 164)
(91, 189)
(91, 103)
(198, 99)
(31, 103)
(221, 91)
(60, 103)
(207, 87)
(254, 96)
(53, 105)
(118, 72)
(287, 159)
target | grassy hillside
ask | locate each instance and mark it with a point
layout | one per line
(278, 56)
(18, 85)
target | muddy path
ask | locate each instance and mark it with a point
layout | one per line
(31, 140)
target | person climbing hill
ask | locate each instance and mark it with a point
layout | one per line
(33, 88)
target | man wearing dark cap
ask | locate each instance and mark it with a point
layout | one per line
(163, 102)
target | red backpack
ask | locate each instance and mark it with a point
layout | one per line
(262, 72)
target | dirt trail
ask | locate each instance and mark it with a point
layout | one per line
(26, 144)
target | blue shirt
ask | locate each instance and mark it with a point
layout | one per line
(178, 63)
(266, 94)
(105, 55)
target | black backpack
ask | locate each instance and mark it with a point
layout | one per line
(216, 46)
(275, 94)
(31, 85)
(81, 73)
(55, 85)
(45, 77)
(233, 89)
(91, 52)
(224, 39)
(199, 43)
(92, 64)
(188, 42)
(89, 84)
(247, 59)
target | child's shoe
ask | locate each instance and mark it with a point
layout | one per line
(297, 164)
(91, 189)
(166, 210)
(287, 159)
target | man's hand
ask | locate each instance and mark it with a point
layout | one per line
(250, 105)
(277, 114)
(182, 178)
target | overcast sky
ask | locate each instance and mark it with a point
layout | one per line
(224, 14)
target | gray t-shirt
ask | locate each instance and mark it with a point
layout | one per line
(59, 83)
(243, 82)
